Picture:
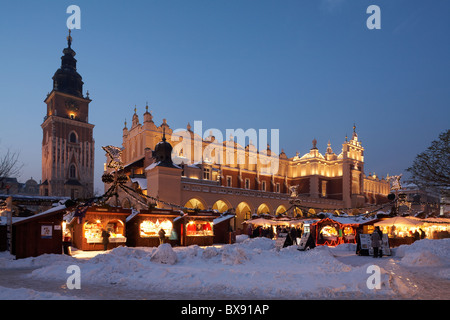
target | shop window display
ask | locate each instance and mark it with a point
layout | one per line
(199, 228)
(116, 230)
(349, 233)
(93, 231)
(149, 228)
(329, 233)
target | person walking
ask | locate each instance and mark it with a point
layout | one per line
(376, 238)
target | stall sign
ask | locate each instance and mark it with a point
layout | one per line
(365, 241)
(385, 245)
(303, 241)
(46, 231)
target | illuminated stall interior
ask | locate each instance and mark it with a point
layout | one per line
(87, 231)
(150, 228)
(332, 233)
(143, 227)
(196, 228)
(199, 228)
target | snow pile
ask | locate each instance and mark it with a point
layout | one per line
(164, 254)
(425, 253)
(241, 237)
(250, 269)
(7, 260)
(233, 255)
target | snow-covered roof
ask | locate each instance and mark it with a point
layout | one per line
(223, 218)
(348, 219)
(49, 211)
(141, 181)
(133, 214)
(153, 165)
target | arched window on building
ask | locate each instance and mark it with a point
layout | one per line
(73, 137)
(72, 171)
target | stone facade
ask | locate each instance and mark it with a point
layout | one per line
(322, 181)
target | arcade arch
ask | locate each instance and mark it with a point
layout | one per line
(221, 206)
(281, 210)
(263, 208)
(243, 212)
(195, 203)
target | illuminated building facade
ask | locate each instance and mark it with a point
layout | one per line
(327, 181)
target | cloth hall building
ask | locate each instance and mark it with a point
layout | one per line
(326, 181)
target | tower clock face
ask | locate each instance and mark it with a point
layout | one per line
(72, 105)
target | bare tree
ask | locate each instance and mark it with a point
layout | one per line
(431, 168)
(9, 164)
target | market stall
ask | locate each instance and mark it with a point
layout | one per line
(435, 228)
(87, 230)
(400, 230)
(223, 231)
(39, 234)
(196, 228)
(331, 232)
(143, 227)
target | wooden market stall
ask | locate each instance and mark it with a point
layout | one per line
(39, 234)
(437, 227)
(223, 231)
(87, 231)
(196, 228)
(334, 231)
(143, 227)
(405, 230)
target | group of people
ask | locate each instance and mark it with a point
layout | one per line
(290, 233)
(260, 231)
(419, 236)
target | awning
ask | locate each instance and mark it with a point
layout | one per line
(398, 222)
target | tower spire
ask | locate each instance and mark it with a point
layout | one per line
(66, 79)
(69, 39)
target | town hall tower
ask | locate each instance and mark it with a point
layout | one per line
(67, 142)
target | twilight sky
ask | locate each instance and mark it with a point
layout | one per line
(310, 68)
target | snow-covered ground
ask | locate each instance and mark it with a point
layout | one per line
(249, 269)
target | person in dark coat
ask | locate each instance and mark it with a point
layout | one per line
(416, 235)
(105, 236)
(422, 234)
(162, 236)
(293, 235)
